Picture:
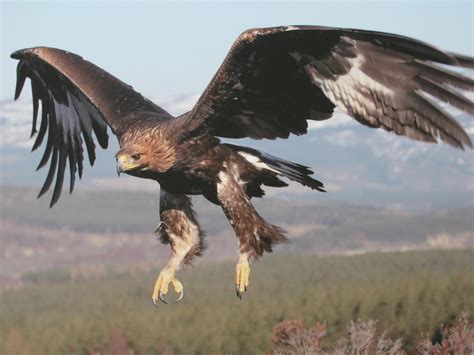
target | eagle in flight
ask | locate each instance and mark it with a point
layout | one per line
(272, 81)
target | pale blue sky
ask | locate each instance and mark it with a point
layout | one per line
(165, 48)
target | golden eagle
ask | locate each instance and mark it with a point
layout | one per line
(272, 81)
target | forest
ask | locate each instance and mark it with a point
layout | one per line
(409, 294)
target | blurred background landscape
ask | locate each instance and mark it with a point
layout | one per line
(77, 279)
(101, 228)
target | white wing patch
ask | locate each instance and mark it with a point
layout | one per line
(395, 91)
(255, 161)
(348, 90)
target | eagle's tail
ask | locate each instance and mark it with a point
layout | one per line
(292, 171)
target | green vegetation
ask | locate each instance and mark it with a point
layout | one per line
(409, 293)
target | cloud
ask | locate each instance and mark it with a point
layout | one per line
(344, 138)
(336, 180)
(347, 177)
(382, 144)
(15, 123)
(395, 148)
(177, 105)
(16, 117)
(338, 119)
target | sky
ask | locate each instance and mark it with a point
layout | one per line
(169, 51)
(174, 48)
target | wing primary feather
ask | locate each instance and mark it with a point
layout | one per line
(419, 134)
(100, 132)
(43, 125)
(34, 93)
(46, 154)
(445, 94)
(72, 172)
(50, 145)
(21, 74)
(86, 128)
(72, 161)
(60, 176)
(407, 45)
(80, 154)
(442, 75)
(449, 129)
(90, 145)
(50, 176)
(463, 60)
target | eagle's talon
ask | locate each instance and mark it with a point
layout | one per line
(162, 286)
(242, 274)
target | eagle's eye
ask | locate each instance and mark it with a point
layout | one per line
(136, 156)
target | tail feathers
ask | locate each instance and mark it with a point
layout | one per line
(292, 171)
(295, 172)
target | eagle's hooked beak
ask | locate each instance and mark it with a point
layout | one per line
(123, 164)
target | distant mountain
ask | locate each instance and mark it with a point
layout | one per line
(113, 227)
(356, 163)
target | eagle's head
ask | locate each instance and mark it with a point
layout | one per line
(133, 160)
(150, 153)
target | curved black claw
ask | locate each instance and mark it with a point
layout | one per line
(162, 299)
(179, 299)
(155, 302)
(238, 292)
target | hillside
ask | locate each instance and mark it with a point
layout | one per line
(112, 227)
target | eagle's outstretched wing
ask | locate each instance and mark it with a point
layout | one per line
(77, 99)
(274, 79)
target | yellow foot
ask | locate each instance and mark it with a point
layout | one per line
(161, 287)
(242, 273)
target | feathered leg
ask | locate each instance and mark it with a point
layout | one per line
(180, 229)
(254, 234)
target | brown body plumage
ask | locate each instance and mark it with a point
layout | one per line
(272, 81)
